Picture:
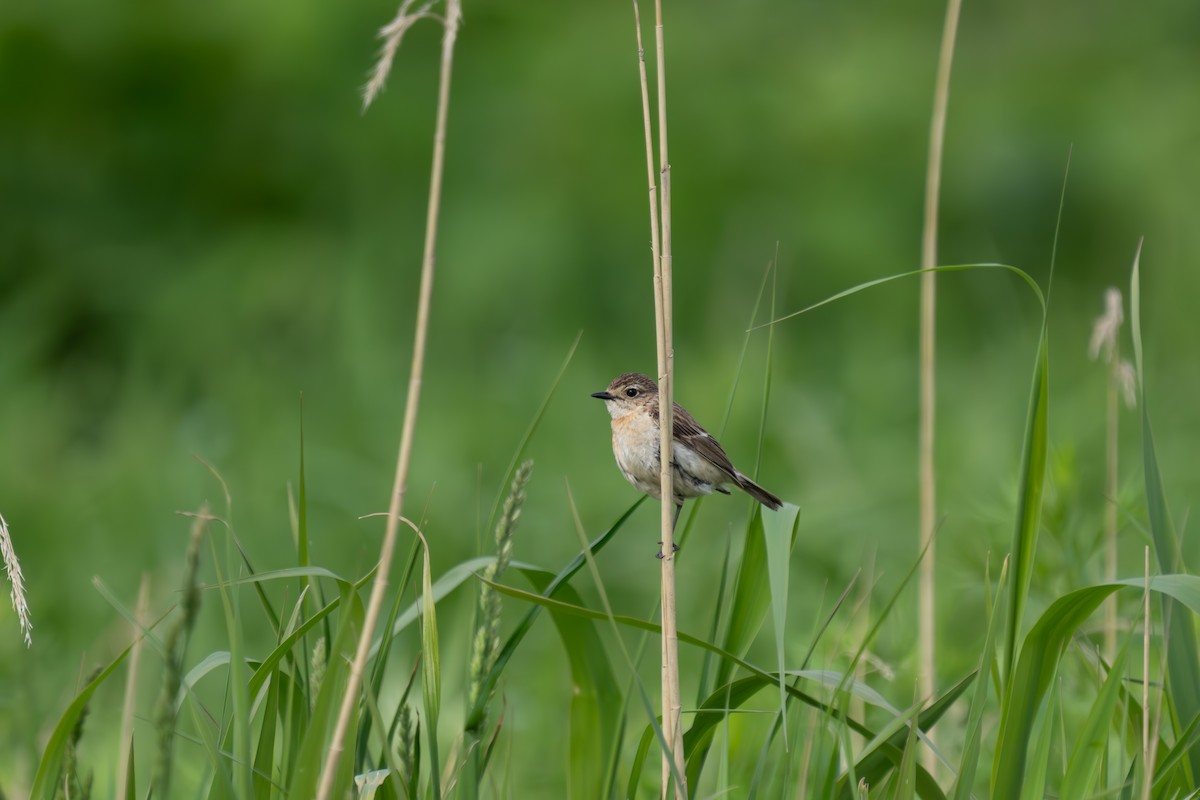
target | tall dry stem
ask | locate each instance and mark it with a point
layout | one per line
(660, 243)
(927, 476)
(450, 22)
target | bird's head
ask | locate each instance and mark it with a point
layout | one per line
(628, 393)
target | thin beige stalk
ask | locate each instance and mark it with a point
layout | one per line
(928, 499)
(672, 705)
(1110, 506)
(141, 620)
(1105, 344)
(450, 23)
(660, 242)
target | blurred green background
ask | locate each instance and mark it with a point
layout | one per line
(198, 226)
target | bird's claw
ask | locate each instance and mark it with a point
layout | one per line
(659, 554)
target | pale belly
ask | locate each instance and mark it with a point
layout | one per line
(636, 453)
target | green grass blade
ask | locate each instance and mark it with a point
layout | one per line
(371, 701)
(779, 532)
(240, 721)
(44, 781)
(1031, 680)
(519, 454)
(1038, 664)
(883, 753)
(1033, 786)
(1183, 658)
(751, 596)
(384, 648)
(1029, 503)
(705, 683)
(264, 756)
(596, 699)
(515, 638)
(431, 672)
(1171, 757)
(1092, 739)
(271, 662)
(320, 727)
(639, 759)
(131, 775)
(906, 772)
(974, 728)
(888, 279)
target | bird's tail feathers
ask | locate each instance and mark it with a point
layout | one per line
(759, 493)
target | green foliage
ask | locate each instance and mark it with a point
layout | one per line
(277, 712)
(179, 259)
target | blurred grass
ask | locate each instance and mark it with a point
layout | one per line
(197, 226)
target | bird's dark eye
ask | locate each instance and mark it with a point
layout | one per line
(631, 392)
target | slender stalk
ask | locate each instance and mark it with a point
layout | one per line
(660, 242)
(1110, 506)
(672, 705)
(404, 459)
(925, 434)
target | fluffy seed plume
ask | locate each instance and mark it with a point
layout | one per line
(1108, 325)
(1106, 341)
(392, 34)
(16, 582)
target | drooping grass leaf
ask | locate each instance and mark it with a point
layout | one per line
(888, 279)
(1038, 664)
(46, 778)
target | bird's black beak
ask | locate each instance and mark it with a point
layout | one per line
(602, 395)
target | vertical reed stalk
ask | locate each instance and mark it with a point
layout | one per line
(1105, 344)
(925, 434)
(1110, 504)
(660, 242)
(450, 22)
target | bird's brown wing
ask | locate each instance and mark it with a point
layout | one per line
(687, 431)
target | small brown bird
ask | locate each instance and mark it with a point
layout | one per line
(701, 466)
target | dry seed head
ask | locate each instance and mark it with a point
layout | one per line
(16, 582)
(1108, 325)
(392, 34)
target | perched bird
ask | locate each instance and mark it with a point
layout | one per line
(701, 466)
